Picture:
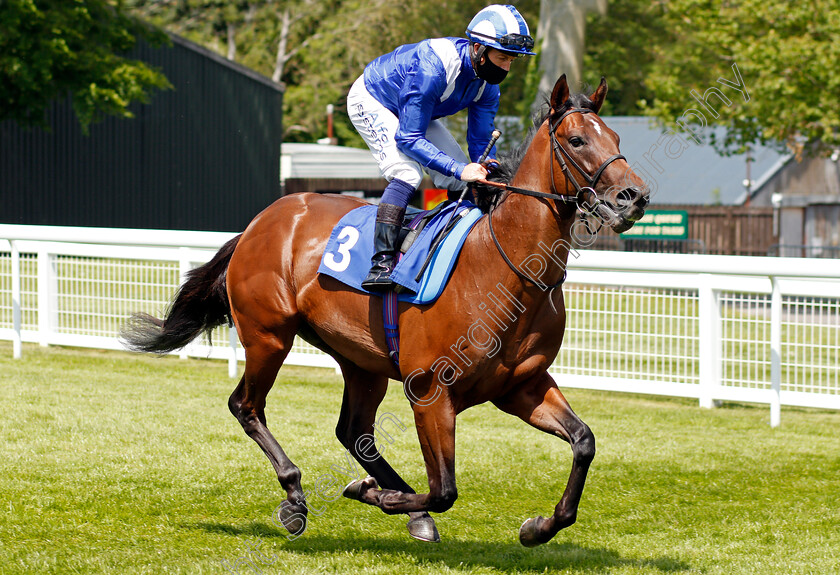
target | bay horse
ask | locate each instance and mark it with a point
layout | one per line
(455, 354)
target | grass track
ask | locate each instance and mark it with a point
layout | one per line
(116, 463)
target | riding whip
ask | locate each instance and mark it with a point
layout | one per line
(494, 136)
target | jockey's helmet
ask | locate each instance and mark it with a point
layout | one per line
(502, 27)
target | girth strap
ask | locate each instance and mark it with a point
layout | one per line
(391, 317)
(391, 310)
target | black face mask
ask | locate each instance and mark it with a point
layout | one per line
(489, 72)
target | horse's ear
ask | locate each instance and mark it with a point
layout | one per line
(560, 94)
(599, 95)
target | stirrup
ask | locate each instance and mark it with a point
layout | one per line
(379, 277)
(380, 284)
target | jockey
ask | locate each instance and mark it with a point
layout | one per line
(396, 105)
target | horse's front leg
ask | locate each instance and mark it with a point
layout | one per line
(436, 431)
(539, 402)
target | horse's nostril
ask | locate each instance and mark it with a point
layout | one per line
(633, 196)
(627, 197)
(631, 202)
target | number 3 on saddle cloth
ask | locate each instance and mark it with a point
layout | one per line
(350, 248)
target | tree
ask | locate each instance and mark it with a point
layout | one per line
(561, 32)
(52, 48)
(215, 24)
(622, 45)
(265, 35)
(783, 53)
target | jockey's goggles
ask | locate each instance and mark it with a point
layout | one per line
(513, 41)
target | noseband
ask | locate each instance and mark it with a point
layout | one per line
(585, 197)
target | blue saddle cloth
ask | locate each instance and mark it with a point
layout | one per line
(350, 248)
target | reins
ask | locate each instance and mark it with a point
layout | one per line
(585, 198)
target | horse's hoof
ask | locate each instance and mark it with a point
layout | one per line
(529, 531)
(355, 489)
(293, 518)
(424, 529)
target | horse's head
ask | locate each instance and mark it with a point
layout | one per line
(586, 160)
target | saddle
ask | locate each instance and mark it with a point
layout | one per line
(429, 245)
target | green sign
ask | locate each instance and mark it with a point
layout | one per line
(660, 224)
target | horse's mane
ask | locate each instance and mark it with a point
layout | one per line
(487, 196)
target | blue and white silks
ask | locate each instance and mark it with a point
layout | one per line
(432, 79)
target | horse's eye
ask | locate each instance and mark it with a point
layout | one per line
(576, 141)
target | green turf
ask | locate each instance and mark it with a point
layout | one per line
(117, 463)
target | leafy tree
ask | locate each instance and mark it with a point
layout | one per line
(785, 52)
(622, 46)
(216, 24)
(265, 35)
(51, 48)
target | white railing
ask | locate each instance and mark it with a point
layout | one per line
(751, 329)
(764, 330)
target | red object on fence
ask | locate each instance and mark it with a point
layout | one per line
(432, 197)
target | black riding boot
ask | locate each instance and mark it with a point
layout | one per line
(385, 234)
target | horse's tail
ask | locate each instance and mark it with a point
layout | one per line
(200, 305)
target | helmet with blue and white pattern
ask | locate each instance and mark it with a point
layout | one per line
(502, 27)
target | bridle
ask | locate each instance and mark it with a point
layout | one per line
(585, 197)
(562, 154)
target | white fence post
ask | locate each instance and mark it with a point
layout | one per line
(711, 358)
(184, 265)
(776, 354)
(232, 339)
(17, 345)
(47, 296)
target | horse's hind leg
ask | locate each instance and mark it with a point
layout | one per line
(540, 403)
(363, 393)
(264, 354)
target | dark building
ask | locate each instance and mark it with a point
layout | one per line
(202, 156)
